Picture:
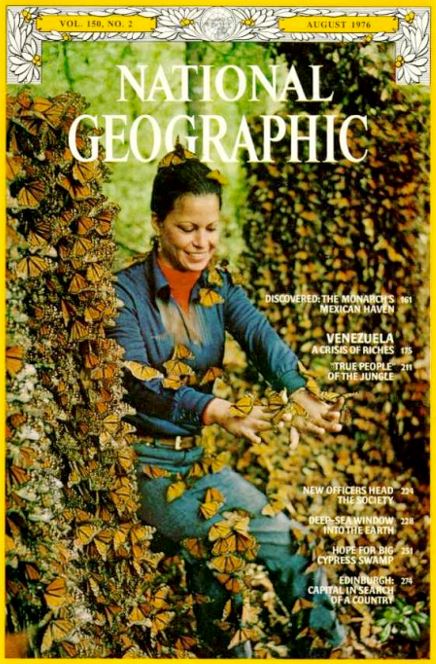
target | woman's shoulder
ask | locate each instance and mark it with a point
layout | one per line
(222, 275)
(128, 264)
(134, 272)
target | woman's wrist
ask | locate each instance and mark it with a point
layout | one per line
(215, 411)
(300, 395)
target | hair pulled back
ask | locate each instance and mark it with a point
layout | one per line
(177, 180)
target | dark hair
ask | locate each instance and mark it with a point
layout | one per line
(172, 182)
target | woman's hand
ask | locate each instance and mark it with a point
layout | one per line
(322, 416)
(259, 419)
(325, 417)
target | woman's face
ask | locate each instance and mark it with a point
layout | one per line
(189, 233)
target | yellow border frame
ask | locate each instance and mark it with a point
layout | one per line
(232, 3)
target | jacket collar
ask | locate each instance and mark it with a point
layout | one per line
(158, 281)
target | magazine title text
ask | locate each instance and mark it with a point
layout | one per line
(146, 138)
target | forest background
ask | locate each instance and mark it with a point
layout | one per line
(299, 228)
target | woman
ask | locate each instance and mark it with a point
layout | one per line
(176, 309)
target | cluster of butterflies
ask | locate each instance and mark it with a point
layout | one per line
(177, 371)
(62, 252)
(229, 545)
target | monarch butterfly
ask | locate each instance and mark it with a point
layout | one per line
(181, 352)
(277, 400)
(140, 533)
(79, 331)
(210, 508)
(30, 123)
(81, 247)
(231, 583)
(141, 371)
(105, 372)
(120, 536)
(95, 273)
(32, 572)
(348, 275)
(208, 297)
(136, 617)
(224, 545)
(17, 475)
(90, 359)
(335, 396)
(197, 470)
(241, 636)
(102, 542)
(112, 611)
(269, 510)
(111, 423)
(216, 463)
(56, 593)
(175, 490)
(97, 311)
(178, 156)
(126, 458)
(84, 225)
(57, 630)
(178, 368)
(219, 530)
(242, 407)
(77, 191)
(14, 359)
(78, 284)
(36, 241)
(160, 621)
(50, 111)
(238, 521)
(211, 374)
(24, 99)
(85, 171)
(245, 542)
(195, 546)
(214, 277)
(32, 266)
(227, 610)
(301, 604)
(213, 500)
(227, 563)
(172, 382)
(14, 167)
(159, 598)
(218, 176)
(121, 493)
(16, 420)
(103, 219)
(94, 587)
(185, 642)
(154, 472)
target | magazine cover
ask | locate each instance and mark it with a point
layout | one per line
(217, 341)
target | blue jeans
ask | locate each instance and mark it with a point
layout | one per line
(181, 519)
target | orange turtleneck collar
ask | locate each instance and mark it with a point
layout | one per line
(180, 282)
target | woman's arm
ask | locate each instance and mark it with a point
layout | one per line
(275, 360)
(268, 352)
(183, 406)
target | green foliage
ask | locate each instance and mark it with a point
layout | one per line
(402, 619)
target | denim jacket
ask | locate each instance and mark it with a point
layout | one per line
(141, 332)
